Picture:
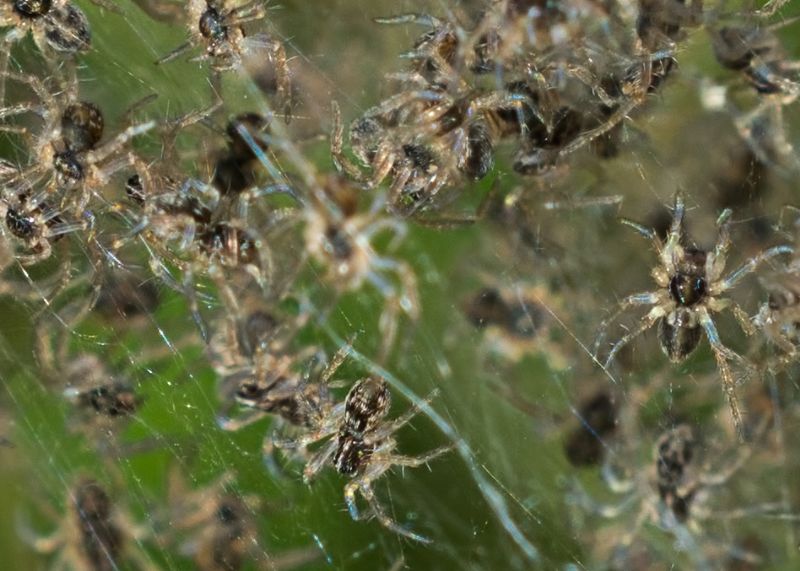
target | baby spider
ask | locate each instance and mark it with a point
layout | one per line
(34, 227)
(271, 385)
(94, 535)
(217, 528)
(675, 492)
(517, 322)
(691, 287)
(58, 27)
(68, 153)
(362, 447)
(220, 30)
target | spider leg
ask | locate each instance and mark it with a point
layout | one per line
(649, 298)
(715, 262)
(233, 424)
(365, 485)
(722, 354)
(419, 19)
(647, 322)
(180, 50)
(421, 460)
(340, 161)
(389, 428)
(749, 266)
(320, 459)
(335, 362)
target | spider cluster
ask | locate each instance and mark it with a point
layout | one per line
(221, 210)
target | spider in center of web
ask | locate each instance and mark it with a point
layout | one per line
(691, 287)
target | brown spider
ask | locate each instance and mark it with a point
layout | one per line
(94, 535)
(674, 492)
(362, 447)
(268, 384)
(218, 530)
(423, 140)
(57, 26)
(516, 322)
(68, 152)
(691, 287)
(219, 29)
(34, 227)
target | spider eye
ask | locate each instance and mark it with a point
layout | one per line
(686, 290)
(32, 8)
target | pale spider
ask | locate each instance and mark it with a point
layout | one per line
(675, 491)
(338, 235)
(691, 287)
(516, 321)
(219, 29)
(94, 535)
(362, 447)
(68, 153)
(217, 528)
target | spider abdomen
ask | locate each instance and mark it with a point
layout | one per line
(678, 335)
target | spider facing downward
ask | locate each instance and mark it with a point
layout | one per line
(691, 287)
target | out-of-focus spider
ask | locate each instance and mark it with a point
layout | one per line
(126, 295)
(675, 491)
(584, 445)
(757, 52)
(67, 152)
(362, 447)
(219, 29)
(94, 535)
(516, 322)
(423, 140)
(218, 530)
(691, 287)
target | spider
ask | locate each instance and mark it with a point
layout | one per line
(57, 26)
(675, 491)
(584, 445)
(361, 447)
(219, 29)
(516, 322)
(35, 227)
(95, 535)
(218, 529)
(691, 287)
(126, 295)
(339, 236)
(424, 140)
(68, 152)
(757, 52)
(270, 385)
